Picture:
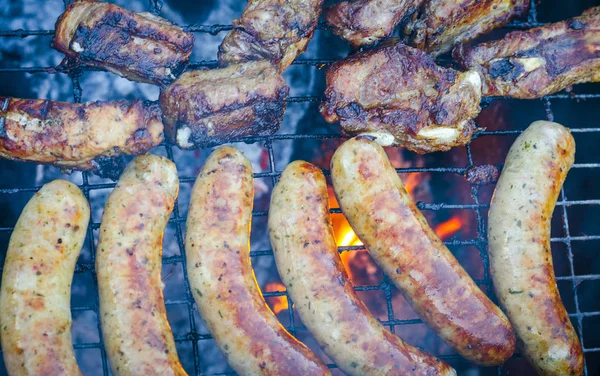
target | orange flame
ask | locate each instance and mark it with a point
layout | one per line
(450, 227)
(358, 263)
(277, 303)
(345, 236)
(411, 181)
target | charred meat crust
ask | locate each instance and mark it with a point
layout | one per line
(221, 275)
(482, 175)
(364, 22)
(210, 107)
(274, 30)
(137, 335)
(399, 91)
(386, 219)
(541, 61)
(74, 135)
(441, 24)
(304, 245)
(138, 46)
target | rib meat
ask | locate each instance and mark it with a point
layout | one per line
(208, 107)
(441, 24)
(74, 135)
(274, 30)
(364, 22)
(138, 46)
(537, 62)
(399, 93)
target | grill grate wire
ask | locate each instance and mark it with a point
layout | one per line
(480, 209)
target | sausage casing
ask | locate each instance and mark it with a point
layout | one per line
(311, 269)
(386, 219)
(35, 313)
(222, 279)
(136, 332)
(519, 247)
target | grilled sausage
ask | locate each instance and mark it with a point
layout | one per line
(222, 279)
(35, 314)
(519, 247)
(386, 219)
(138, 46)
(311, 269)
(137, 336)
(76, 135)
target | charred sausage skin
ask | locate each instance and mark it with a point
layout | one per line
(519, 247)
(137, 335)
(386, 219)
(222, 279)
(311, 268)
(35, 313)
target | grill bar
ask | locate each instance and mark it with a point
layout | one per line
(273, 172)
(217, 28)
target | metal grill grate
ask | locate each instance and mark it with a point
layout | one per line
(478, 208)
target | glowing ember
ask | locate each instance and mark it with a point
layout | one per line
(276, 303)
(450, 227)
(411, 181)
(349, 238)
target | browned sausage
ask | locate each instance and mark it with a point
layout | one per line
(35, 316)
(311, 268)
(222, 279)
(385, 218)
(137, 335)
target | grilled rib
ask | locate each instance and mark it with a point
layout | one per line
(364, 22)
(138, 46)
(208, 107)
(537, 62)
(399, 93)
(441, 24)
(76, 136)
(271, 29)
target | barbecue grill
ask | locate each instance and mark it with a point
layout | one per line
(304, 135)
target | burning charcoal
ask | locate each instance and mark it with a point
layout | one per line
(482, 175)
